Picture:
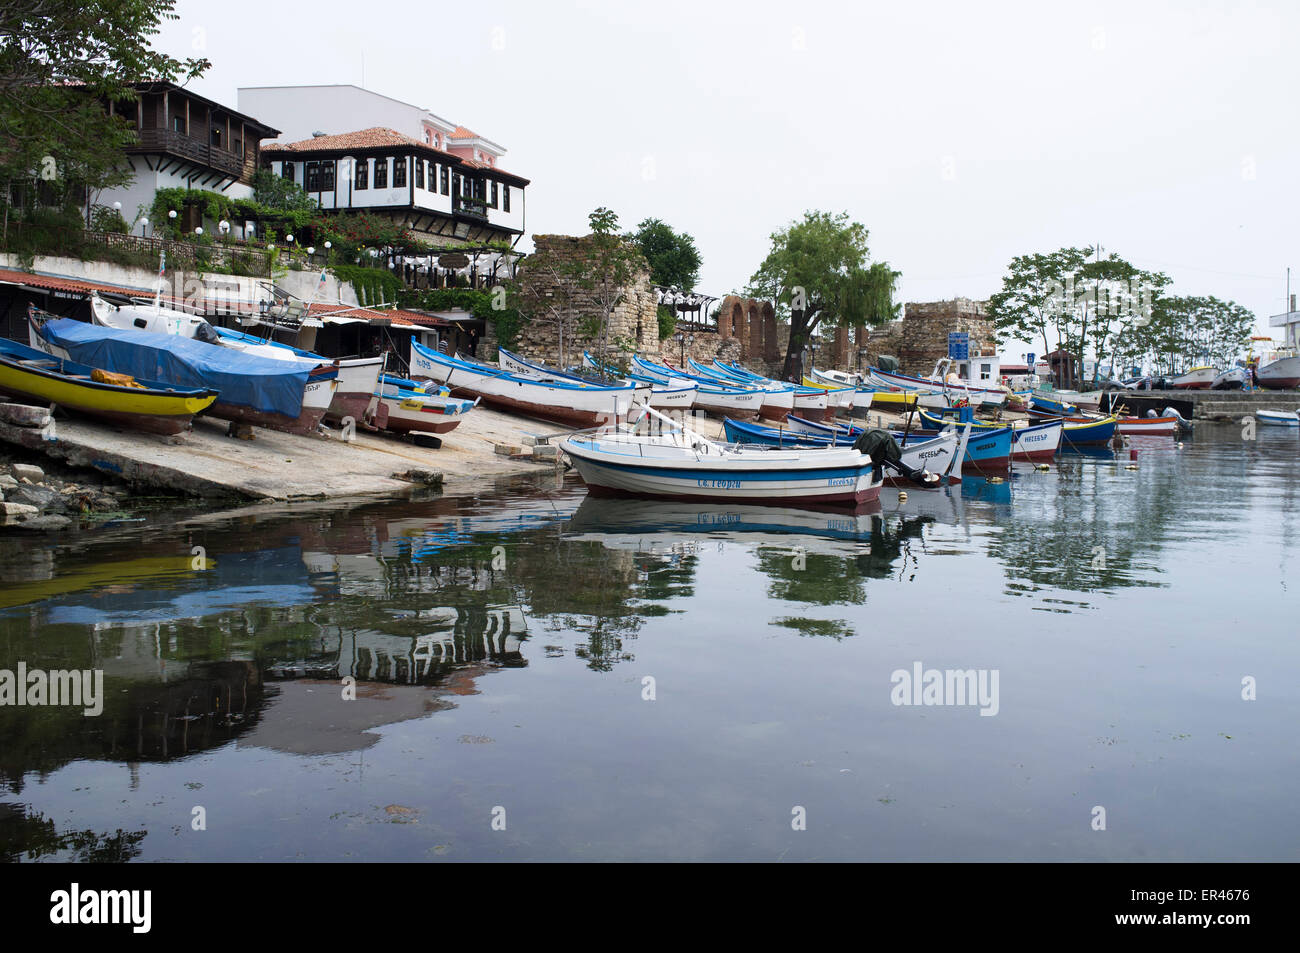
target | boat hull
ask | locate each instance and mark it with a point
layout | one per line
(1198, 378)
(1277, 418)
(153, 410)
(1280, 375)
(762, 477)
(570, 404)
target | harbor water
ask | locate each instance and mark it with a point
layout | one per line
(533, 674)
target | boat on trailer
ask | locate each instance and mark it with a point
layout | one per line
(151, 406)
(562, 401)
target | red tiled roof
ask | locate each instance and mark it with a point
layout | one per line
(376, 137)
(73, 285)
(460, 132)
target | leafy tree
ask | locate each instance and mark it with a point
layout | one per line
(817, 272)
(1030, 303)
(61, 61)
(1202, 330)
(609, 265)
(674, 259)
(1076, 301)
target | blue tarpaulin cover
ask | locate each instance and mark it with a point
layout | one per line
(261, 383)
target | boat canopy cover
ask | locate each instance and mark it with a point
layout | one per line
(882, 448)
(266, 385)
(888, 363)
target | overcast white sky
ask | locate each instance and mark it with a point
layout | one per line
(960, 134)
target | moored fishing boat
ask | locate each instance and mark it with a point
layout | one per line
(281, 395)
(1278, 418)
(1043, 405)
(939, 455)
(151, 406)
(563, 401)
(987, 451)
(1032, 442)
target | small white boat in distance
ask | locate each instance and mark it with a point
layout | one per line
(1278, 418)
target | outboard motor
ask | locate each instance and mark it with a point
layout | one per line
(885, 452)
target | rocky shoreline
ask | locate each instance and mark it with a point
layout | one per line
(34, 500)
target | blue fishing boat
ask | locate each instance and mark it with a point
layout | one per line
(937, 454)
(986, 451)
(282, 395)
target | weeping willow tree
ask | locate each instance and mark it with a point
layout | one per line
(818, 273)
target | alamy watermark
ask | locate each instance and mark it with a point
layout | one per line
(952, 687)
(1109, 298)
(37, 687)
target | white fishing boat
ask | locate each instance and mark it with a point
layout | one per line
(943, 382)
(1278, 418)
(1198, 378)
(778, 396)
(1234, 378)
(406, 406)
(719, 398)
(681, 464)
(1280, 374)
(563, 401)
(675, 396)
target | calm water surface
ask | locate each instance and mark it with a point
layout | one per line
(633, 680)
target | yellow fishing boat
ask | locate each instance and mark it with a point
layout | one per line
(29, 374)
(880, 399)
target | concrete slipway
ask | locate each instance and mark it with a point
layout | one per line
(278, 466)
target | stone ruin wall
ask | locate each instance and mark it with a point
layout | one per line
(634, 319)
(924, 337)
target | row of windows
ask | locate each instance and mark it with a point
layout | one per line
(319, 177)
